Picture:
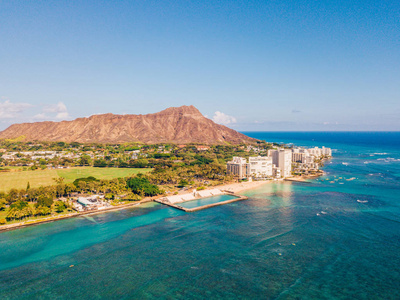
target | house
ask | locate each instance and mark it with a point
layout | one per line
(202, 148)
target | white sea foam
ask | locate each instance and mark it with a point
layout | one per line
(362, 201)
(389, 159)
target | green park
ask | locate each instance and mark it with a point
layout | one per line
(18, 178)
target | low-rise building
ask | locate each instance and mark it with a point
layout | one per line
(135, 154)
(202, 148)
(92, 202)
(276, 172)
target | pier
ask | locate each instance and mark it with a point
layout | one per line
(177, 206)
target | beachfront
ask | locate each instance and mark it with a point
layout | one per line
(230, 187)
(239, 187)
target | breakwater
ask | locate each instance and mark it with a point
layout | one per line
(201, 207)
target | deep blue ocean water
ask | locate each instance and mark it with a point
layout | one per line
(337, 237)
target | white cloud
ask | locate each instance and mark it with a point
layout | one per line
(11, 110)
(60, 109)
(62, 115)
(55, 108)
(221, 118)
(41, 116)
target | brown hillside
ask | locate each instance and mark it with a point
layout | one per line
(183, 124)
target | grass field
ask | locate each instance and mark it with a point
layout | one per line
(19, 179)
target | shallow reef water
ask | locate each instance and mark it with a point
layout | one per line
(336, 237)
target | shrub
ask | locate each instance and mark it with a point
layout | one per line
(44, 201)
(84, 179)
(109, 196)
(42, 210)
(3, 203)
(60, 206)
(141, 185)
(100, 163)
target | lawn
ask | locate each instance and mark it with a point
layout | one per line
(19, 179)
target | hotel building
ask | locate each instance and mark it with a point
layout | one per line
(238, 167)
(282, 159)
(260, 166)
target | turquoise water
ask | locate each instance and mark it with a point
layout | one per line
(288, 241)
(206, 201)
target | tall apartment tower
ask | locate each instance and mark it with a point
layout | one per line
(282, 159)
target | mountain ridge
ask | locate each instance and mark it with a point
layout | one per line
(184, 124)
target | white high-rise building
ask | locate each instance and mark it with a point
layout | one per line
(326, 151)
(317, 152)
(304, 158)
(261, 166)
(314, 152)
(238, 167)
(282, 159)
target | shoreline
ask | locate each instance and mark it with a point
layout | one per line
(234, 187)
(304, 179)
(238, 187)
(70, 216)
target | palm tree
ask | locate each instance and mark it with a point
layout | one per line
(19, 210)
(42, 210)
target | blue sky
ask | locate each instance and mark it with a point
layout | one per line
(252, 65)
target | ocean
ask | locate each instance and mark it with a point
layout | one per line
(335, 237)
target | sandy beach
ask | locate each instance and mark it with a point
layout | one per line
(243, 186)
